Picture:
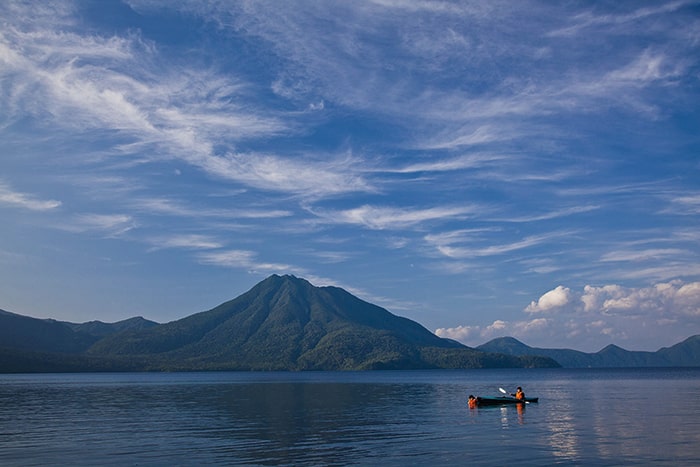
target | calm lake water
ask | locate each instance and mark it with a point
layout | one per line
(584, 417)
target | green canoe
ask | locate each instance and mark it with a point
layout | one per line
(501, 400)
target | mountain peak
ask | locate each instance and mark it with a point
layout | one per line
(506, 345)
(282, 323)
(285, 322)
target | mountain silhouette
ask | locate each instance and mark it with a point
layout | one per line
(284, 323)
(686, 353)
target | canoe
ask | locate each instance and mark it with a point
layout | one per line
(501, 400)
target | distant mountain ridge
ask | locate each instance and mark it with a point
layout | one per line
(49, 335)
(282, 323)
(686, 353)
(285, 323)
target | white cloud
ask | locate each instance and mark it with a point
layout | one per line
(597, 316)
(244, 259)
(642, 255)
(437, 164)
(310, 176)
(459, 333)
(463, 252)
(229, 258)
(587, 20)
(192, 241)
(172, 207)
(554, 214)
(553, 299)
(688, 204)
(24, 200)
(382, 217)
(94, 83)
(109, 224)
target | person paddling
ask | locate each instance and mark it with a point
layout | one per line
(519, 394)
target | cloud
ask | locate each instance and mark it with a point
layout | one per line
(309, 176)
(596, 316)
(661, 300)
(476, 335)
(176, 208)
(615, 22)
(118, 84)
(243, 259)
(449, 164)
(459, 333)
(382, 217)
(444, 245)
(556, 298)
(112, 225)
(24, 200)
(192, 241)
(643, 255)
(565, 212)
(229, 258)
(688, 204)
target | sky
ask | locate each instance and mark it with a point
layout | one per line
(485, 168)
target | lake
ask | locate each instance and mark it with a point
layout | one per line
(584, 417)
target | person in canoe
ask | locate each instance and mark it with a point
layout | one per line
(519, 394)
(472, 402)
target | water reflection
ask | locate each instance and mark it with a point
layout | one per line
(388, 419)
(562, 438)
(319, 423)
(504, 417)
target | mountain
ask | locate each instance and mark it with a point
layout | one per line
(48, 335)
(42, 335)
(100, 329)
(282, 323)
(44, 345)
(686, 353)
(285, 323)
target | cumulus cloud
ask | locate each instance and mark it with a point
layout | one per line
(597, 316)
(459, 333)
(553, 299)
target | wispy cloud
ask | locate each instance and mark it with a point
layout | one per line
(382, 217)
(190, 242)
(453, 246)
(449, 164)
(489, 142)
(688, 204)
(312, 177)
(587, 20)
(164, 113)
(643, 255)
(177, 208)
(565, 212)
(24, 200)
(107, 224)
(245, 259)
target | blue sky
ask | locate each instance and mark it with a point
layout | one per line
(488, 168)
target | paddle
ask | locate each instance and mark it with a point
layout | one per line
(506, 392)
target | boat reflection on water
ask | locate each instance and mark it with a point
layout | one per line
(506, 409)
